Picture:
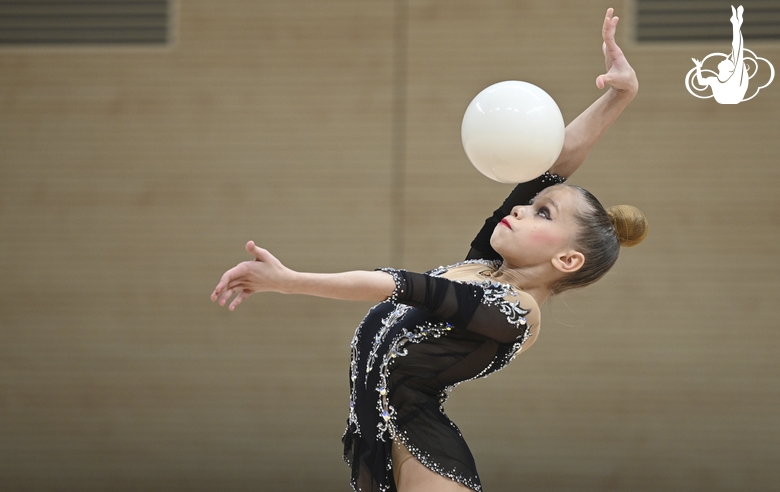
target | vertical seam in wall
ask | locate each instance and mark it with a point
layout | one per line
(397, 185)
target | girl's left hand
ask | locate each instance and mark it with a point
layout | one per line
(620, 76)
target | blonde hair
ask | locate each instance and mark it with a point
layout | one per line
(630, 224)
(599, 238)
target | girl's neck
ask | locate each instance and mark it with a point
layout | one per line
(525, 281)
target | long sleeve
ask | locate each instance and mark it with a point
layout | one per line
(521, 195)
(481, 308)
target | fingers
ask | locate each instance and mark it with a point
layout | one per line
(230, 280)
(226, 295)
(230, 292)
(609, 47)
(239, 299)
(242, 294)
(607, 78)
(608, 29)
(252, 249)
(259, 253)
(223, 282)
(237, 284)
(608, 32)
(234, 273)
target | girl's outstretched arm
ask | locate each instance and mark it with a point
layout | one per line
(585, 130)
(267, 274)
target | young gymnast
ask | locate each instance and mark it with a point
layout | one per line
(432, 331)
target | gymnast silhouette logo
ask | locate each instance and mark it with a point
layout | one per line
(730, 84)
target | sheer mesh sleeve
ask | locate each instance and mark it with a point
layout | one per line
(521, 195)
(480, 308)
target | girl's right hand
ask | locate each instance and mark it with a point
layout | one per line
(264, 274)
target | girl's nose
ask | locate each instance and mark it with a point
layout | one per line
(518, 212)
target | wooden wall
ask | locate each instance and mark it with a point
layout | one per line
(328, 131)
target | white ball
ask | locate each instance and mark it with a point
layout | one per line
(512, 131)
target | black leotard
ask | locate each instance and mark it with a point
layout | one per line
(430, 335)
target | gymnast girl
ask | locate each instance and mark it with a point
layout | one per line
(431, 331)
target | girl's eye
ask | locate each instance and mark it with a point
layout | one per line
(545, 212)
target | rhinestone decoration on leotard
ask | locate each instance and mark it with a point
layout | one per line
(397, 349)
(549, 177)
(399, 283)
(353, 372)
(387, 322)
(495, 294)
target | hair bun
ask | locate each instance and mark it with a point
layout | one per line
(630, 224)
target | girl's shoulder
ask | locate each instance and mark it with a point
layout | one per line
(479, 272)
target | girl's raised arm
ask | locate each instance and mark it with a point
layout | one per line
(581, 135)
(585, 130)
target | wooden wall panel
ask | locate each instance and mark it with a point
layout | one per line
(131, 178)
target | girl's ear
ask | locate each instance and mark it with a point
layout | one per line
(568, 261)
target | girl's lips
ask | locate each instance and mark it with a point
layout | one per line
(506, 223)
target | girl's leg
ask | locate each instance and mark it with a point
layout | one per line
(412, 476)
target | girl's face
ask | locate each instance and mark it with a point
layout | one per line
(537, 233)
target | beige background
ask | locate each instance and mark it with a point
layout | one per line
(328, 131)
